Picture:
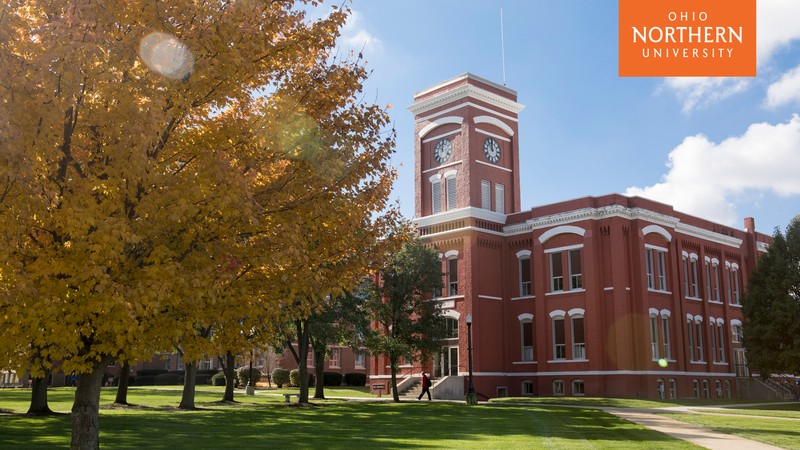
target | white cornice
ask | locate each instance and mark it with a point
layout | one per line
(464, 76)
(701, 233)
(463, 92)
(469, 212)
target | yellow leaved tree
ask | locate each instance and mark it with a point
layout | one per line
(161, 167)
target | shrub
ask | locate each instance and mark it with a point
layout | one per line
(151, 372)
(218, 379)
(355, 379)
(202, 379)
(280, 377)
(243, 374)
(145, 380)
(294, 377)
(170, 378)
(331, 379)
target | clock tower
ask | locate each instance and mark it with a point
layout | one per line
(466, 149)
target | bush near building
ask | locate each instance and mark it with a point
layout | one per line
(355, 379)
(280, 377)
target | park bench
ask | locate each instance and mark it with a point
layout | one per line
(288, 397)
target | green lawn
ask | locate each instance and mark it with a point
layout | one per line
(265, 421)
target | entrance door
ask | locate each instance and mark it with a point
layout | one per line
(446, 362)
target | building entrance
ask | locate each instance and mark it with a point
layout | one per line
(446, 362)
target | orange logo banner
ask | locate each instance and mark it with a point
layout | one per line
(680, 38)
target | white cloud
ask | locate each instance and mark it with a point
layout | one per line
(776, 29)
(786, 90)
(705, 178)
(356, 38)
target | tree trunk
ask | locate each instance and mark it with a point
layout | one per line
(122, 388)
(230, 376)
(319, 369)
(86, 409)
(39, 406)
(395, 394)
(189, 382)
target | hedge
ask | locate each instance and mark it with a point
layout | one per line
(355, 379)
(280, 377)
(167, 379)
(150, 372)
(331, 379)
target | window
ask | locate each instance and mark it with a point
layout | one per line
(665, 336)
(708, 278)
(500, 198)
(310, 357)
(735, 275)
(577, 387)
(525, 276)
(452, 275)
(578, 338)
(451, 192)
(660, 389)
(721, 341)
(179, 365)
(336, 358)
(452, 328)
(558, 387)
(575, 276)
(706, 393)
(360, 359)
(728, 283)
(715, 285)
(712, 334)
(654, 336)
(694, 284)
(527, 387)
(556, 273)
(685, 265)
(699, 341)
(559, 339)
(486, 194)
(718, 386)
(673, 389)
(696, 388)
(656, 268)
(737, 333)
(526, 328)
(690, 340)
(436, 194)
(502, 391)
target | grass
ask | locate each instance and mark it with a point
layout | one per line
(265, 421)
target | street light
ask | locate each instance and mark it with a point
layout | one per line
(472, 396)
(250, 389)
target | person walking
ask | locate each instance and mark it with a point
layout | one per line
(426, 386)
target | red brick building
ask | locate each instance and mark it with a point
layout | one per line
(596, 296)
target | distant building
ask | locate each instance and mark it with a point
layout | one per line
(595, 296)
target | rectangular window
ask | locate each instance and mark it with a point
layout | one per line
(721, 342)
(527, 388)
(690, 329)
(559, 339)
(577, 387)
(525, 277)
(735, 286)
(708, 280)
(527, 341)
(310, 357)
(685, 277)
(575, 275)
(715, 269)
(665, 336)
(661, 270)
(486, 195)
(556, 273)
(436, 194)
(737, 333)
(728, 284)
(698, 327)
(558, 387)
(451, 193)
(712, 334)
(336, 358)
(360, 360)
(695, 287)
(500, 198)
(648, 267)
(654, 337)
(578, 339)
(452, 276)
(451, 327)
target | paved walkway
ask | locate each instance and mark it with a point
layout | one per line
(698, 435)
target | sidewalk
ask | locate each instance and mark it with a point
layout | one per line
(688, 432)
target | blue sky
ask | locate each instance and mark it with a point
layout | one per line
(719, 148)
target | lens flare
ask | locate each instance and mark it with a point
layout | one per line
(662, 362)
(166, 55)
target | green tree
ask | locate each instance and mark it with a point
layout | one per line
(407, 324)
(771, 306)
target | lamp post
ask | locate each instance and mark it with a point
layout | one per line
(472, 396)
(250, 389)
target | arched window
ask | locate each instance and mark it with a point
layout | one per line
(660, 388)
(577, 388)
(451, 325)
(706, 393)
(578, 333)
(526, 336)
(696, 388)
(451, 275)
(524, 265)
(559, 335)
(450, 182)
(558, 387)
(673, 389)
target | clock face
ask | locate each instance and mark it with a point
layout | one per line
(492, 150)
(443, 150)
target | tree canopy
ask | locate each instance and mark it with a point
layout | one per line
(162, 165)
(771, 306)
